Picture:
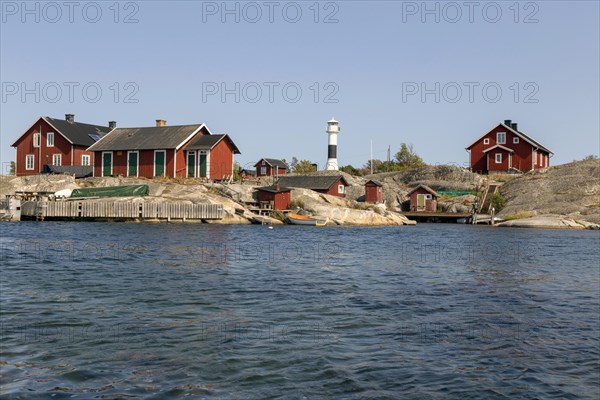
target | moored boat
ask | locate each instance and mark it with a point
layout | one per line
(297, 219)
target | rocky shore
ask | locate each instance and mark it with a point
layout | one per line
(565, 196)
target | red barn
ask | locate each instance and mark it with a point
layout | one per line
(505, 149)
(276, 197)
(161, 150)
(373, 191)
(271, 167)
(423, 198)
(334, 185)
(57, 143)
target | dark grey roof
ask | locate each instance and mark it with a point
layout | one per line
(273, 189)
(377, 183)
(77, 132)
(207, 142)
(149, 138)
(274, 162)
(79, 171)
(427, 188)
(320, 182)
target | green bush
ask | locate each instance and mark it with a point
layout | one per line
(497, 201)
(296, 203)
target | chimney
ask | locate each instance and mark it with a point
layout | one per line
(70, 118)
(514, 126)
(161, 122)
(112, 124)
(507, 122)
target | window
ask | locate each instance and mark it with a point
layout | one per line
(50, 139)
(56, 159)
(486, 141)
(498, 158)
(36, 140)
(263, 170)
(264, 162)
(428, 197)
(500, 137)
(515, 140)
(29, 161)
(85, 159)
(341, 189)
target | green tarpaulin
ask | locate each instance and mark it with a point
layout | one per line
(112, 191)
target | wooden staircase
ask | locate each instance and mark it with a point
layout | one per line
(491, 188)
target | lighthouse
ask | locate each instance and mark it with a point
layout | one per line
(333, 129)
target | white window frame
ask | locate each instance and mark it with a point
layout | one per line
(500, 135)
(263, 171)
(36, 140)
(428, 197)
(341, 189)
(89, 160)
(486, 141)
(515, 140)
(29, 157)
(58, 157)
(49, 143)
(498, 158)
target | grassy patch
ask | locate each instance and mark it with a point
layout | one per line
(296, 203)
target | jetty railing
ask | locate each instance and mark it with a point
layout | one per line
(120, 210)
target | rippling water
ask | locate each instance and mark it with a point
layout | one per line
(94, 310)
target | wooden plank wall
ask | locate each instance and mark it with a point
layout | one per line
(100, 209)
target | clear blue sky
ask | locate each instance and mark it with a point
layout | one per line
(373, 57)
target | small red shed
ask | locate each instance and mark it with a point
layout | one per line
(423, 198)
(373, 191)
(274, 197)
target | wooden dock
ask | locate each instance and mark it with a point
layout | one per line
(41, 210)
(423, 216)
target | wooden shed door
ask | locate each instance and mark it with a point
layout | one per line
(159, 163)
(191, 164)
(132, 163)
(420, 202)
(202, 164)
(106, 164)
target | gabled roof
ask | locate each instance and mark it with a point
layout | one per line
(148, 138)
(516, 132)
(499, 146)
(273, 162)
(207, 142)
(76, 133)
(427, 188)
(376, 183)
(273, 189)
(319, 182)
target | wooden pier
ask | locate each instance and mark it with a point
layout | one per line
(423, 216)
(101, 210)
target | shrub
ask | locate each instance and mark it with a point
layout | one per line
(497, 201)
(296, 203)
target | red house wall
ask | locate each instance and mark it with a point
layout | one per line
(43, 154)
(221, 160)
(521, 156)
(282, 200)
(413, 200)
(180, 156)
(270, 171)
(491, 160)
(333, 190)
(373, 193)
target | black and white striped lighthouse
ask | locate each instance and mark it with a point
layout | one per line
(333, 129)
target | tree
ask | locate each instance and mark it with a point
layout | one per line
(349, 169)
(236, 171)
(407, 158)
(12, 167)
(303, 167)
(293, 163)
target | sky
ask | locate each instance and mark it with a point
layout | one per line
(437, 75)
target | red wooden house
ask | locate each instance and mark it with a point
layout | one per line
(334, 185)
(423, 198)
(506, 149)
(373, 191)
(271, 167)
(57, 143)
(274, 197)
(161, 150)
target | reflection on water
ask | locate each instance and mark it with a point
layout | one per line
(166, 310)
